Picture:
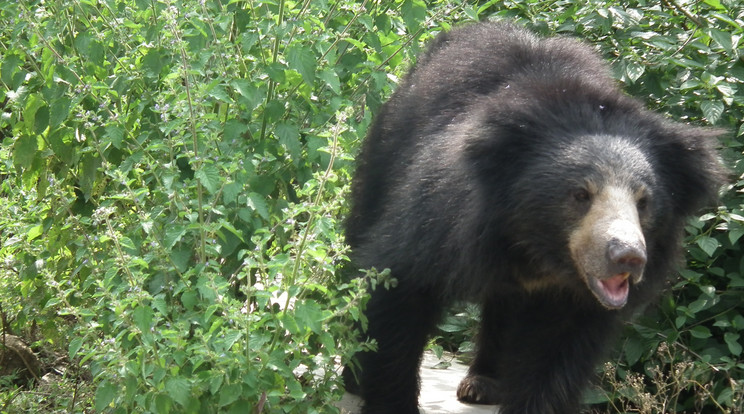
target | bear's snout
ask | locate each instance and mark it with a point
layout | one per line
(608, 246)
(626, 257)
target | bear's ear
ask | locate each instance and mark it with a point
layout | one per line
(689, 166)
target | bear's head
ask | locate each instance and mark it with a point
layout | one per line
(613, 195)
(585, 190)
(610, 209)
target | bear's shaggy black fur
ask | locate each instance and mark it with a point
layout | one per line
(510, 171)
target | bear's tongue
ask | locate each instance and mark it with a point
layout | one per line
(616, 288)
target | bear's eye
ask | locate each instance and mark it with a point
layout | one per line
(642, 203)
(582, 195)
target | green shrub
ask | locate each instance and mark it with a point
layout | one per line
(173, 180)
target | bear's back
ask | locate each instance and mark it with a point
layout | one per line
(447, 80)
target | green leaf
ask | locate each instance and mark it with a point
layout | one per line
(274, 110)
(88, 169)
(96, 53)
(738, 322)
(24, 150)
(179, 389)
(231, 337)
(235, 232)
(723, 39)
(289, 137)
(708, 244)
(690, 275)
(189, 299)
(9, 65)
(230, 192)
(633, 350)
(302, 59)
(229, 394)
(330, 77)
(728, 90)
(471, 13)
(163, 403)
(716, 4)
(160, 304)
(727, 19)
(41, 119)
(295, 389)
(115, 135)
(247, 91)
(700, 332)
(413, 13)
(732, 341)
(247, 40)
(219, 93)
(173, 234)
(634, 71)
(356, 43)
(82, 42)
(727, 397)
(244, 88)
(712, 110)
(234, 130)
(258, 204)
(290, 324)
(152, 63)
(132, 161)
(34, 232)
(276, 72)
(215, 383)
(309, 314)
(209, 176)
(450, 327)
(181, 258)
(74, 346)
(59, 111)
(105, 394)
(52, 303)
(699, 305)
(142, 317)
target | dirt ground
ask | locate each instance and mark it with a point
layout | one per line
(438, 388)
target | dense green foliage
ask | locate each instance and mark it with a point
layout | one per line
(173, 181)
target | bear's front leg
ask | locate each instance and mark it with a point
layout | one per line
(482, 384)
(543, 355)
(400, 321)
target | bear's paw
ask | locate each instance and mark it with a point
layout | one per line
(478, 389)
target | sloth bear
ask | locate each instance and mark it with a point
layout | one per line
(510, 171)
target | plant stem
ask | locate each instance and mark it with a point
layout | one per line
(274, 57)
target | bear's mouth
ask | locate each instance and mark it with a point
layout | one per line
(613, 291)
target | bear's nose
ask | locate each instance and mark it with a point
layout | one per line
(626, 257)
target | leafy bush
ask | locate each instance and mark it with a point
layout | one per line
(173, 178)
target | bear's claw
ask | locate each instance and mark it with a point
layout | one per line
(478, 389)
